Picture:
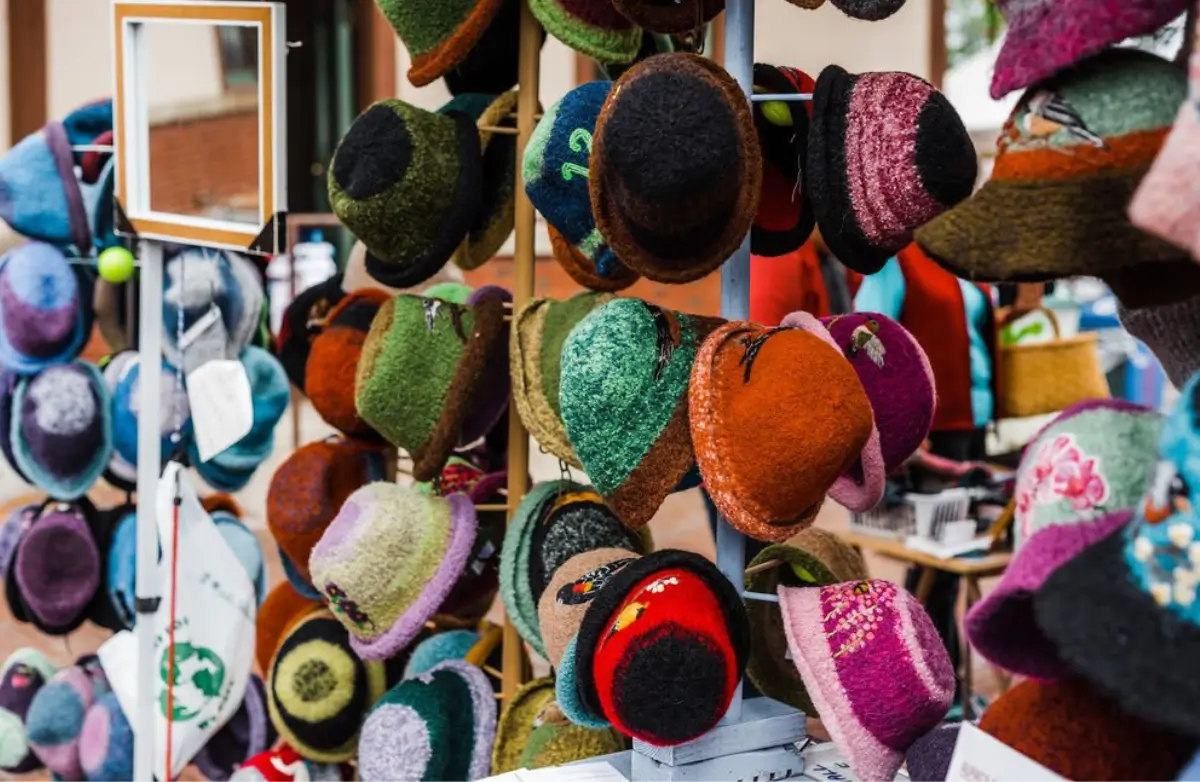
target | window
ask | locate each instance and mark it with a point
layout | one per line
(238, 48)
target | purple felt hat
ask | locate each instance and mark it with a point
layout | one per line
(10, 534)
(8, 391)
(41, 309)
(1046, 36)
(56, 716)
(56, 569)
(496, 388)
(248, 733)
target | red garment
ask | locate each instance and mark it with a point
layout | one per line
(934, 314)
(780, 286)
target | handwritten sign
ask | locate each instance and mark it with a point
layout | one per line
(979, 757)
(222, 410)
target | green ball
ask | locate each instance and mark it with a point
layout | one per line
(115, 264)
(777, 113)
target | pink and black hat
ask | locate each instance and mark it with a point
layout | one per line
(874, 666)
(887, 153)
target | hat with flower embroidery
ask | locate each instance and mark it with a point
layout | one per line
(1080, 479)
(1137, 586)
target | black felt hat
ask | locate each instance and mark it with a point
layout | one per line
(676, 168)
(303, 321)
(491, 66)
(785, 219)
(670, 16)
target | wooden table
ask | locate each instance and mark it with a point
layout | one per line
(970, 568)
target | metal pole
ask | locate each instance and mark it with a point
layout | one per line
(149, 462)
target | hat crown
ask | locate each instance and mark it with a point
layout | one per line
(376, 151)
(65, 401)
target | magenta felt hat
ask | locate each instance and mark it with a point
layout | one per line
(874, 666)
(860, 488)
(1046, 36)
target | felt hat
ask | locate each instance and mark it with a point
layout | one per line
(284, 764)
(496, 383)
(1079, 480)
(310, 486)
(813, 558)
(42, 306)
(110, 308)
(887, 153)
(437, 649)
(1171, 331)
(675, 217)
(539, 330)
(556, 173)
(122, 376)
(680, 16)
(874, 666)
(557, 743)
(1139, 584)
(408, 183)
(1075, 731)
(575, 584)
(106, 741)
(868, 10)
(195, 281)
(55, 718)
(282, 608)
(595, 29)
(453, 292)
(113, 607)
(437, 35)
(532, 734)
(318, 690)
(23, 674)
(785, 216)
(248, 733)
(439, 725)
(517, 722)
(388, 560)
(333, 359)
(8, 391)
(11, 530)
(652, 43)
(474, 591)
(497, 209)
(303, 320)
(928, 759)
(663, 647)
(1067, 164)
(245, 546)
(1043, 40)
(40, 197)
(422, 371)
(623, 394)
(569, 695)
(491, 66)
(743, 379)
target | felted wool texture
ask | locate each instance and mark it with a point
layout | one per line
(491, 66)
(438, 34)
(8, 390)
(436, 649)
(874, 666)
(248, 733)
(886, 154)
(494, 223)
(1079, 225)
(675, 218)
(108, 304)
(1164, 204)
(39, 194)
(245, 546)
(1171, 331)
(318, 690)
(41, 309)
(868, 10)
(494, 384)
(573, 525)
(928, 759)
(55, 717)
(282, 608)
(57, 568)
(61, 429)
(517, 722)
(388, 560)
(454, 292)
(198, 279)
(567, 597)
(681, 16)
(813, 558)
(624, 408)
(421, 373)
(829, 421)
(552, 745)
(174, 411)
(540, 420)
(583, 271)
(652, 44)
(474, 591)
(106, 741)
(785, 218)
(333, 360)
(1073, 730)
(398, 165)
(23, 674)
(595, 29)
(303, 320)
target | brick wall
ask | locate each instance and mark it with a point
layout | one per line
(183, 181)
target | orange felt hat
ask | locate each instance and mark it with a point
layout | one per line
(282, 608)
(333, 360)
(777, 414)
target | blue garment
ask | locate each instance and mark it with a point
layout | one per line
(884, 292)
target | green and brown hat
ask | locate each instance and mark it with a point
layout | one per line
(533, 733)
(408, 183)
(535, 351)
(1069, 159)
(813, 558)
(675, 16)
(439, 34)
(624, 399)
(421, 373)
(591, 27)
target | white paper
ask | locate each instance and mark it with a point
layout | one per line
(979, 757)
(599, 771)
(222, 410)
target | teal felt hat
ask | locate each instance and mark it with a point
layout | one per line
(624, 400)
(437, 649)
(566, 688)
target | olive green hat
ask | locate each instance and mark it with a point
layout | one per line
(439, 34)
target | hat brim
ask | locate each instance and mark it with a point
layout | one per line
(567, 692)
(528, 392)
(602, 44)
(432, 65)
(516, 723)
(583, 271)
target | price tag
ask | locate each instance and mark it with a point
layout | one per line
(979, 757)
(205, 341)
(222, 410)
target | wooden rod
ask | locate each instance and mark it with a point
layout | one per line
(495, 506)
(761, 566)
(523, 276)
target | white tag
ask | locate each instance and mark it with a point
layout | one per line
(222, 410)
(979, 757)
(206, 321)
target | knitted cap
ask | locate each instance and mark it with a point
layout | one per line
(574, 586)
(248, 733)
(281, 609)
(874, 666)
(23, 674)
(1068, 162)
(439, 34)
(407, 182)
(106, 741)
(679, 16)
(55, 718)
(517, 721)
(303, 320)
(333, 359)
(676, 169)
(624, 401)
(785, 218)
(743, 381)
(595, 29)
(42, 307)
(56, 570)
(437, 649)
(887, 153)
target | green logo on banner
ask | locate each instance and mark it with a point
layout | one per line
(199, 675)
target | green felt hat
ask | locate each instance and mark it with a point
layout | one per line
(535, 352)
(439, 34)
(407, 182)
(533, 733)
(624, 399)
(422, 371)
(652, 44)
(591, 27)
(454, 292)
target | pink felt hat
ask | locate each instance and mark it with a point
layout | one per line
(861, 487)
(874, 666)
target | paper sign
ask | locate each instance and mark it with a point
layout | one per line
(979, 757)
(824, 763)
(222, 410)
(599, 771)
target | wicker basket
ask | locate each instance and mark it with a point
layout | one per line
(1047, 377)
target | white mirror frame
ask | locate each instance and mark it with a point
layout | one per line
(131, 116)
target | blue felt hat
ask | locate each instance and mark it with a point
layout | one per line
(106, 741)
(437, 649)
(39, 194)
(42, 309)
(297, 580)
(566, 691)
(199, 279)
(245, 547)
(55, 718)
(61, 429)
(23, 674)
(120, 576)
(121, 376)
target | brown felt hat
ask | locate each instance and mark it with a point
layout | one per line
(569, 593)
(770, 441)
(108, 302)
(676, 168)
(494, 223)
(815, 557)
(582, 270)
(674, 16)
(282, 608)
